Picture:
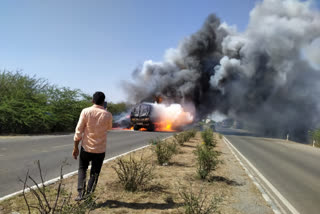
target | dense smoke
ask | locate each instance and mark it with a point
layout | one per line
(267, 76)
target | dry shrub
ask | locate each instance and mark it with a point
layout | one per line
(192, 133)
(133, 173)
(164, 150)
(47, 200)
(198, 203)
(179, 138)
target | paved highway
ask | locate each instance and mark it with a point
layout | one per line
(292, 168)
(18, 154)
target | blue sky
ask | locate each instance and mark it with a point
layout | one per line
(94, 45)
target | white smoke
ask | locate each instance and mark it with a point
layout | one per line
(312, 53)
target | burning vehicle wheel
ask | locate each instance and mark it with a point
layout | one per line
(151, 128)
(136, 127)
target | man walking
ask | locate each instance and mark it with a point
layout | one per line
(93, 124)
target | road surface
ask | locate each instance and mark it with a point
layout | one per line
(18, 154)
(292, 168)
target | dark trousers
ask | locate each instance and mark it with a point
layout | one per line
(96, 164)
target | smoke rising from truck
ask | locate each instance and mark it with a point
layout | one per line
(267, 76)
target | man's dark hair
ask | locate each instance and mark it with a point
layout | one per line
(98, 98)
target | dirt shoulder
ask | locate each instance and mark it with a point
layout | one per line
(246, 198)
(228, 183)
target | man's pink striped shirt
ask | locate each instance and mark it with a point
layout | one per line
(93, 124)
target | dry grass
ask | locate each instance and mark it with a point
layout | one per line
(160, 196)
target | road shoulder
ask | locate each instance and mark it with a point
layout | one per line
(246, 197)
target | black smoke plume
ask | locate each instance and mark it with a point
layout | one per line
(267, 76)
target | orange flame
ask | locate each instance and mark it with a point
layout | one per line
(169, 117)
(119, 128)
(172, 117)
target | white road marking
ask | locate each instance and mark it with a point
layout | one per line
(69, 174)
(272, 188)
(256, 183)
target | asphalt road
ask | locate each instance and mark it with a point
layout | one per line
(18, 154)
(292, 168)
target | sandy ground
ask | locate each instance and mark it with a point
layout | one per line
(246, 198)
(229, 183)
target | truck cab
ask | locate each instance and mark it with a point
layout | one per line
(140, 117)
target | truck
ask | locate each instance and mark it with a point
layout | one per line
(141, 117)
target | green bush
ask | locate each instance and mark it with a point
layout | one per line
(315, 136)
(179, 138)
(208, 138)
(30, 105)
(207, 160)
(117, 108)
(133, 173)
(198, 203)
(164, 150)
(185, 136)
(193, 133)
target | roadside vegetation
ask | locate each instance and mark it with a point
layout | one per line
(31, 105)
(49, 200)
(207, 156)
(133, 173)
(164, 176)
(164, 150)
(197, 202)
(185, 136)
(315, 136)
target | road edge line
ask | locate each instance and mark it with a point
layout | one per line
(265, 196)
(272, 188)
(54, 180)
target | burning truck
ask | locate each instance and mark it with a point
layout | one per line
(159, 117)
(141, 117)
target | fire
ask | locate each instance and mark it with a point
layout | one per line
(172, 117)
(119, 128)
(158, 99)
(162, 118)
(164, 126)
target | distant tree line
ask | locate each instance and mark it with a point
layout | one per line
(30, 105)
(315, 136)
